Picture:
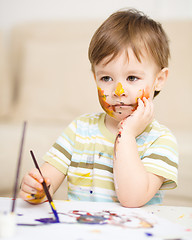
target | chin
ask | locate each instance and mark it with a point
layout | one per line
(119, 117)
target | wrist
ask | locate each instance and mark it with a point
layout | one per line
(126, 132)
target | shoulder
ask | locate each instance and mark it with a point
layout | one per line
(85, 122)
(162, 132)
(157, 136)
(90, 118)
(155, 131)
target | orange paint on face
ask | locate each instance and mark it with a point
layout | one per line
(119, 89)
(104, 104)
(143, 93)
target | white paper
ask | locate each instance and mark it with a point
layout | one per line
(133, 229)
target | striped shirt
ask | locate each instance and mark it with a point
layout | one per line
(84, 153)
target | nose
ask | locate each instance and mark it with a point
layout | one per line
(119, 91)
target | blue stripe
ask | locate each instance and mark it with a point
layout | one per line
(76, 195)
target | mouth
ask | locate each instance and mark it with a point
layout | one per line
(124, 107)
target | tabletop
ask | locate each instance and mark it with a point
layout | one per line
(99, 220)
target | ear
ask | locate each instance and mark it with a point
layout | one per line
(161, 79)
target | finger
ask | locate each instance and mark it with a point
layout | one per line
(27, 189)
(152, 108)
(32, 198)
(140, 108)
(149, 110)
(32, 182)
(36, 174)
(47, 181)
(149, 103)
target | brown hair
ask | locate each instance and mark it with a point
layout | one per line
(129, 28)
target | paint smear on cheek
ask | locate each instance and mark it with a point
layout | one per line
(104, 104)
(143, 93)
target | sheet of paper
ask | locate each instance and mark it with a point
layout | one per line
(91, 220)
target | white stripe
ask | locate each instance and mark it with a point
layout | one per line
(169, 170)
(73, 127)
(92, 140)
(162, 152)
(65, 144)
(58, 155)
(97, 190)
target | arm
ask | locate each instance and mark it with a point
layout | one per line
(134, 185)
(31, 187)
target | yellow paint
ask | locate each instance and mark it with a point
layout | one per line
(138, 95)
(145, 224)
(37, 201)
(53, 205)
(96, 231)
(119, 89)
(87, 175)
(83, 174)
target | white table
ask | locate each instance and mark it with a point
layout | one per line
(168, 222)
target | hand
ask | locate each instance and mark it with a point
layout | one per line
(136, 123)
(31, 187)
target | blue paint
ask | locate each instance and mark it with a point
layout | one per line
(46, 220)
(55, 214)
(148, 234)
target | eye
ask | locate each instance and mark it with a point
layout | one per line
(132, 78)
(106, 79)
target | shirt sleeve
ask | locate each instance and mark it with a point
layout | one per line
(161, 158)
(59, 155)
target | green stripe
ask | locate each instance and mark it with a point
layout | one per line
(57, 165)
(166, 142)
(91, 166)
(62, 150)
(163, 158)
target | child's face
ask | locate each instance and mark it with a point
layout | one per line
(122, 81)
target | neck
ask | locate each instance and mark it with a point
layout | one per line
(111, 124)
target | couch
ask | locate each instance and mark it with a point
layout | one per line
(45, 79)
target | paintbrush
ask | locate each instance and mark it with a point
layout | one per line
(46, 189)
(18, 169)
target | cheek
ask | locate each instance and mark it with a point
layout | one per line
(102, 99)
(143, 93)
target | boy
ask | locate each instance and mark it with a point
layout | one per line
(123, 154)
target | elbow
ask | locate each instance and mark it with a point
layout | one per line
(131, 204)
